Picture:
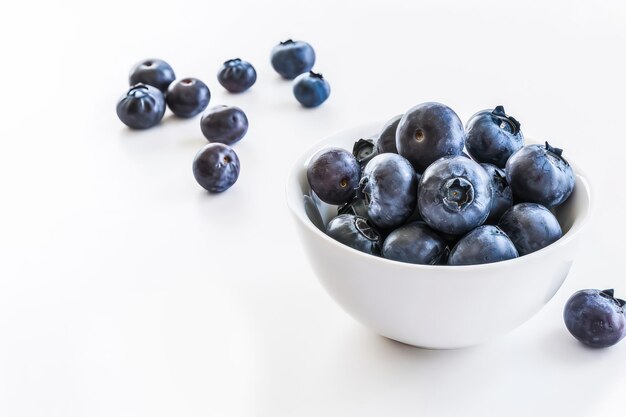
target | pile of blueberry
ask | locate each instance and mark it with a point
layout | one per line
(153, 86)
(413, 195)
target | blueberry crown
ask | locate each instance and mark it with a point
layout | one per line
(501, 116)
(287, 42)
(610, 294)
(233, 61)
(138, 90)
(365, 228)
(316, 75)
(362, 149)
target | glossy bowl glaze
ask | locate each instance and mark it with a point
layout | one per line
(437, 307)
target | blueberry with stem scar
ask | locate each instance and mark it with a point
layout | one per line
(596, 318)
(539, 174)
(356, 232)
(333, 175)
(493, 136)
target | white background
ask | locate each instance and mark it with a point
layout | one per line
(125, 290)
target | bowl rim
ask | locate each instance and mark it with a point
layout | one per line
(299, 213)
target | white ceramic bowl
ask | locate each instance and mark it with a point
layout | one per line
(437, 307)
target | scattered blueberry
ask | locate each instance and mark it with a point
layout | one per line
(333, 175)
(364, 150)
(386, 142)
(154, 72)
(530, 227)
(141, 107)
(539, 174)
(187, 97)
(236, 75)
(311, 89)
(428, 132)
(292, 58)
(415, 243)
(224, 124)
(356, 232)
(596, 318)
(454, 195)
(389, 185)
(501, 197)
(483, 245)
(492, 136)
(216, 167)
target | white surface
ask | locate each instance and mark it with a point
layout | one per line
(436, 307)
(127, 291)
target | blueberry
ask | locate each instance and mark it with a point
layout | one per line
(454, 195)
(501, 197)
(311, 89)
(530, 226)
(415, 243)
(596, 318)
(389, 185)
(386, 142)
(154, 72)
(483, 245)
(187, 97)
(141, 107)
(539, 174)
(292, 58)
(428, 132)
(356, 232)
(364, 150)
(492, 136)
(333, 175)
(216, 167)
(236, 75)
(224, 124)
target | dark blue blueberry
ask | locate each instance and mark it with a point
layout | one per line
(428, 132)
(356, 232)
(154, 72)
(389, 186)
(216, 167)
(333, 175)
(501, 197)
(311, 89)
(141, 107)
(224, 124)
(386, 142)
(454, 195)
(364, 150)
(415, 243)
(595, 317)
(187, 97)
(483, 245)
(539, 174)
(236, 75)
(492, 136)
(292, 58)
(530, 227)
